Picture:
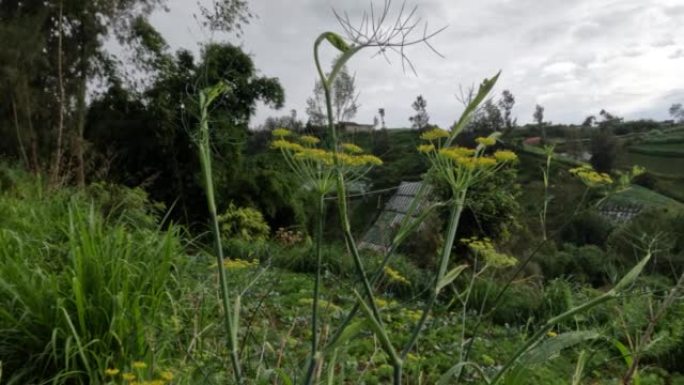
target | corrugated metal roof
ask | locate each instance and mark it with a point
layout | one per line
(379, 236)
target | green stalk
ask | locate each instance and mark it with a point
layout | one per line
(406, 228)
(205, 160)
(316, 292)
(454, 220)
(327, 82)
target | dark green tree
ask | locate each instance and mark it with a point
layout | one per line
(344, 100)
(421, 119)
(677, 112)
(538, 117)
(506, 104)
(165, 161)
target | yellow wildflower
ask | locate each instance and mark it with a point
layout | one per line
(111, 372)
(425, 148)
(412, 357)
(283, 144)
(413, 315)
(358, 160)
(128, 376)
(281, 132)
(552, 334)
(488, 141)
(396, 276)
(308, 139)
(455, 152)
(238, 264)
(485, 249)
(166, 375)
(352, 148)
(138, 365)
(485, 161)
(381, 302)
(434, 134)
(316, 155)
(505, 156)
(590, 177)
(371, 160)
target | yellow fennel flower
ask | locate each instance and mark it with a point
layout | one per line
(434, 134)
(485, 161)
(505, 156)
(425, 148)
(352, 148)
(166, 375)
(128, 376)
(283, 144)
(371, 160)
(281, 132)
(315, 154)
(396, 276)
(111, 372)
(308, 139)
(486, 141)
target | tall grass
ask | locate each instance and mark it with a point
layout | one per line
(78, 294)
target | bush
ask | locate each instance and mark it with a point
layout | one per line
(244, 223)
(518, 304)
(71, 309)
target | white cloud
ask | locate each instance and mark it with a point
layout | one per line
(573, 56)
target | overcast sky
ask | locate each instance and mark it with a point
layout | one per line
(574, 57)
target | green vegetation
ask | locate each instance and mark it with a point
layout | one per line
(167, 243)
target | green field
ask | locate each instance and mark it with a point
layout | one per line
(665, 149)
(649, 198)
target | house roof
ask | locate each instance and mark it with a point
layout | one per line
(380, 234)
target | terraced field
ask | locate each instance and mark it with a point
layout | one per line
(662, 154)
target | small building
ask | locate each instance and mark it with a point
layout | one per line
(353, 127)
(533, 141)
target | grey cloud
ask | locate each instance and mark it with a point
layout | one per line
(575, 57)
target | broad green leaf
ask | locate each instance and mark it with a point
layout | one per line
(455, 371)
(450, 277)
(633, 274)
(472, 106)
(552, 346)
(627, 356)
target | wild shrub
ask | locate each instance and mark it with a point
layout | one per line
(90, 302)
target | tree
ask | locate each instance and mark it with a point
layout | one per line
(609, 121)
(287, 121)
(421, 119)
(677, 112)
(589, 121)
(344, 100)
(62, 53)
(487, 119)
(538, 117)
(381, 112)
(603, 151)
(506, 104)
(150, 138)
